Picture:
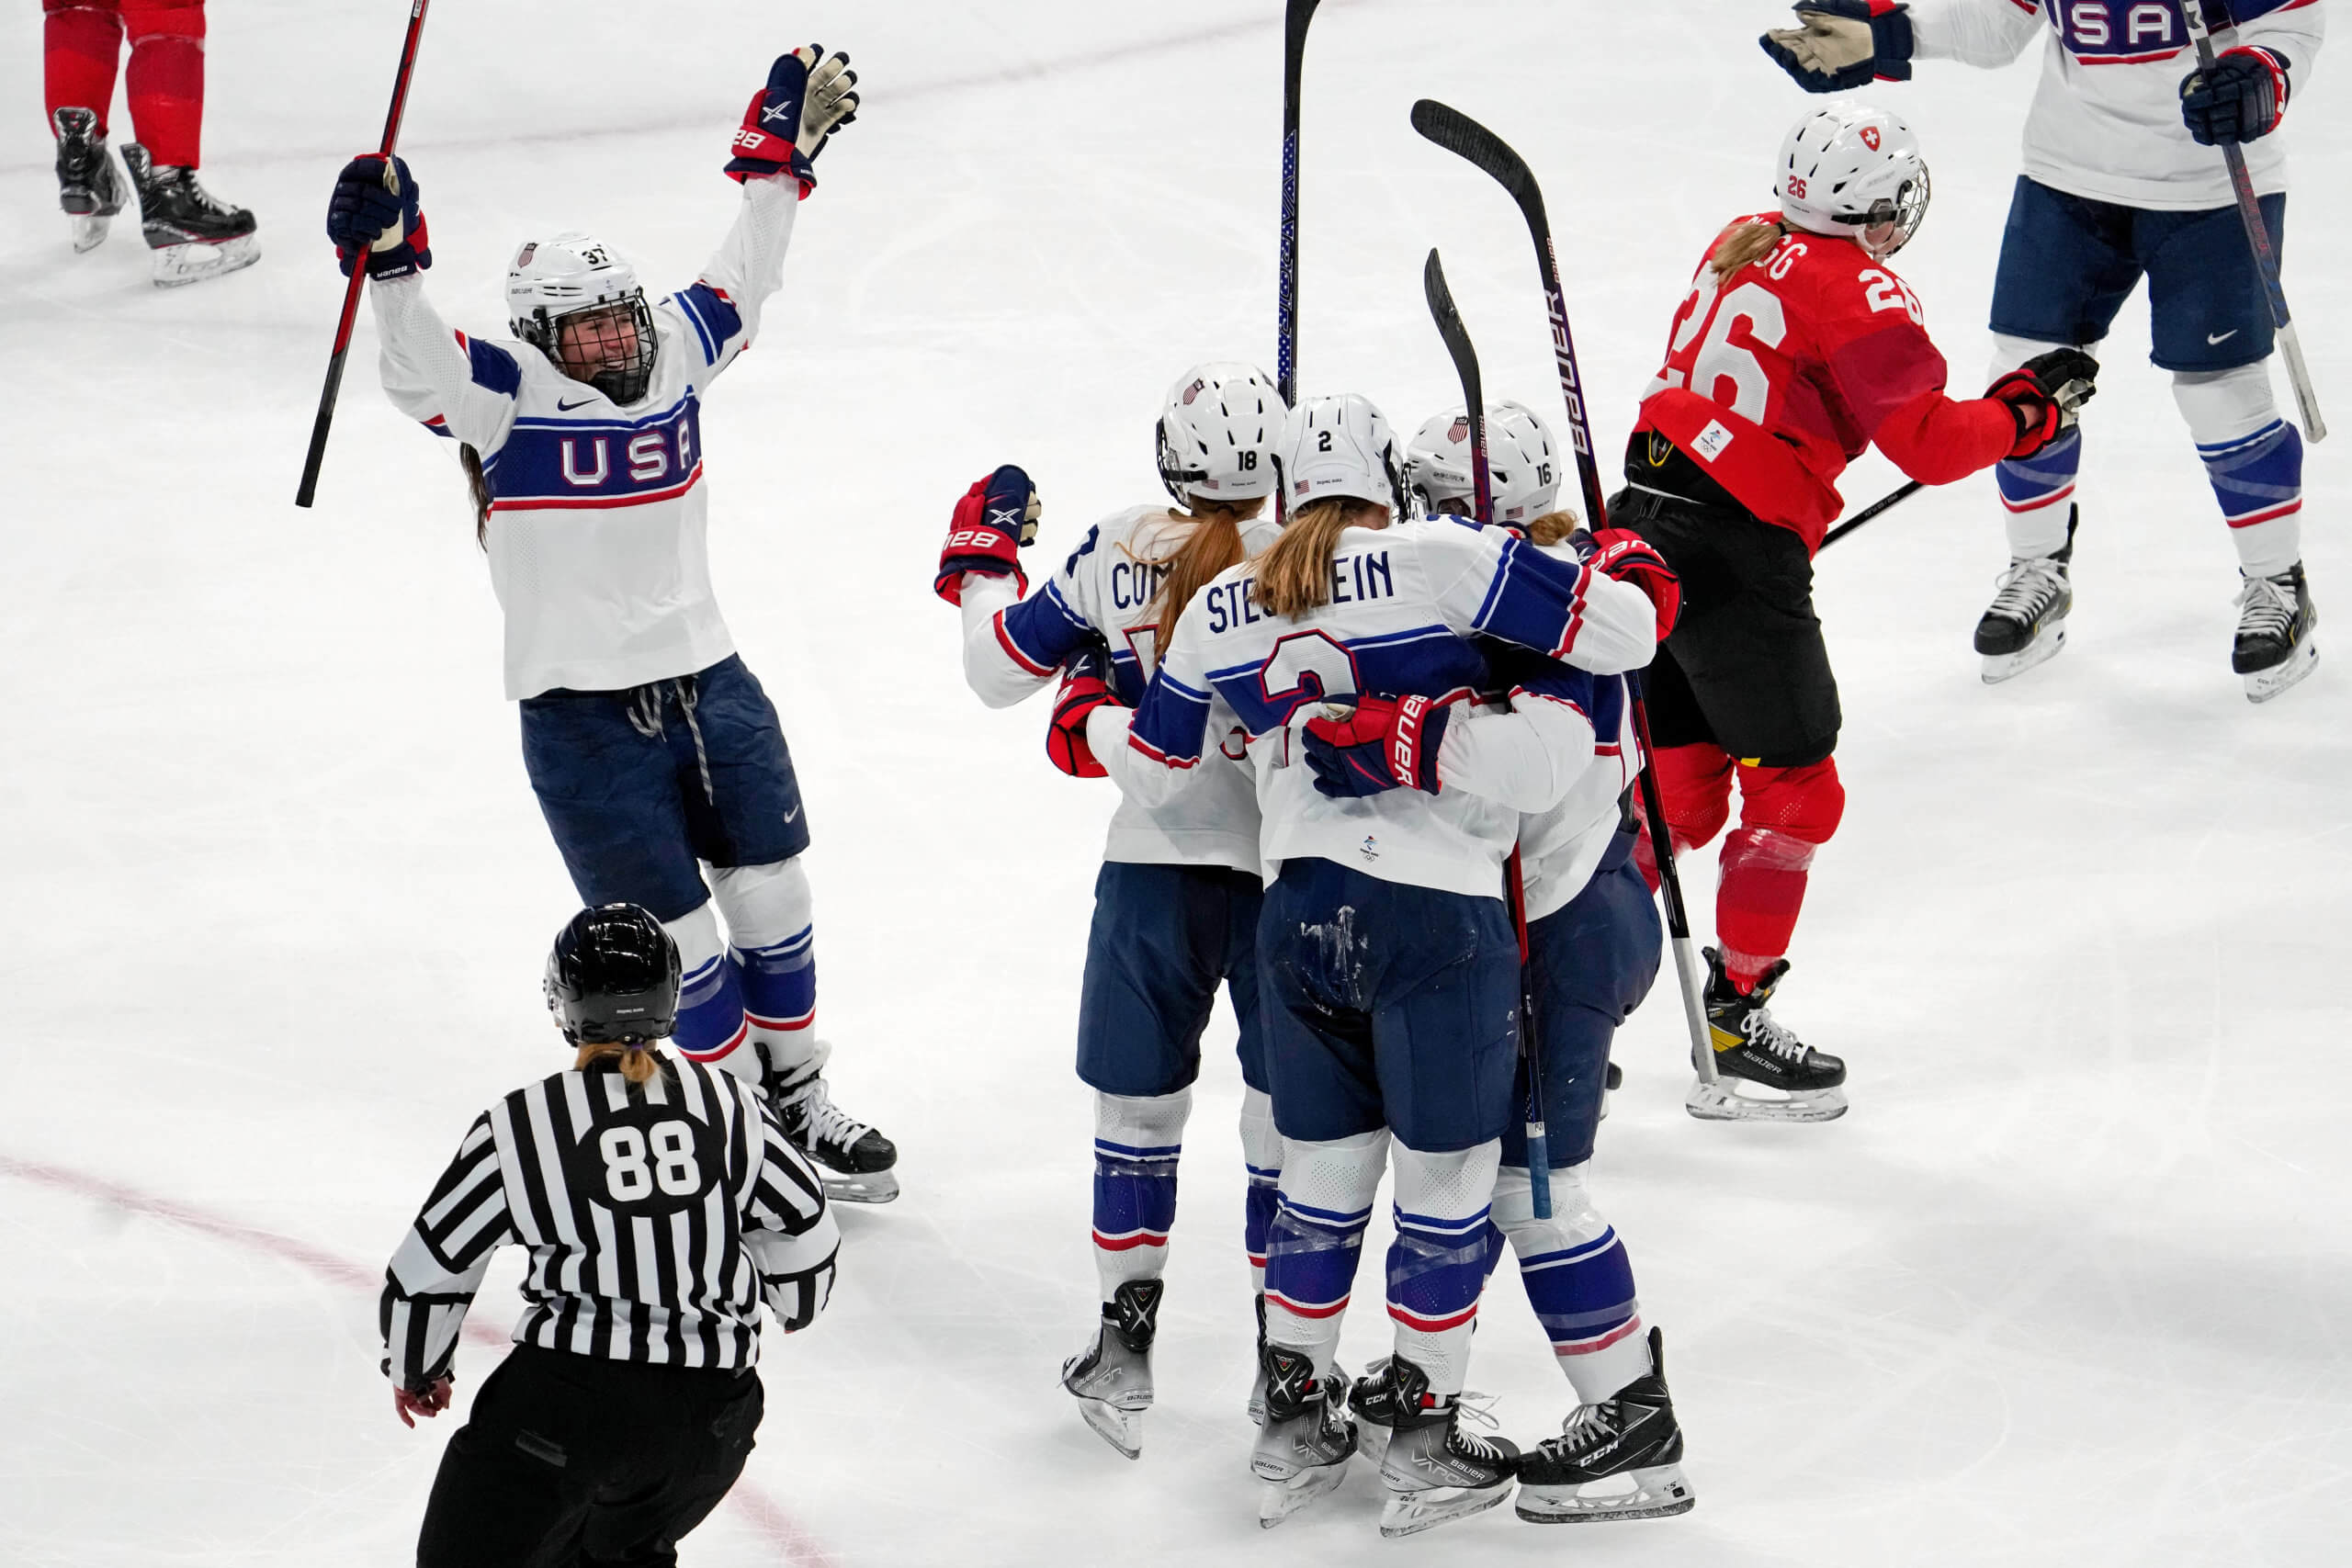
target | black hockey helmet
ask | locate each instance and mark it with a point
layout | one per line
(613, 977)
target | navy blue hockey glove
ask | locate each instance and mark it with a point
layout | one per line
(809, 97)
(2242, 98)
(1086, 685)
(996, 517)
(1844, 44)
(1383, 743)
(379, 215)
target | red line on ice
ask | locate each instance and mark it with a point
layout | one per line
(788, 1535)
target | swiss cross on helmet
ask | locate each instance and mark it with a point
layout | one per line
(1848, 169)
(574, 300)
(1216, 433)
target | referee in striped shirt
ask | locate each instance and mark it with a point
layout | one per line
(661, 1203)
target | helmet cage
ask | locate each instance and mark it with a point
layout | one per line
(1901, 214)
(624, 383)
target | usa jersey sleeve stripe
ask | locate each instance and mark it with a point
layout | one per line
(1042, 630)
(1489, 582)
(431, 372)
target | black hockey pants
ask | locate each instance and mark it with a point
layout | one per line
(573, 1462)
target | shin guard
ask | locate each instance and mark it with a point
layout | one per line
(166, 78)
(1785, 814)
(1136, 1142)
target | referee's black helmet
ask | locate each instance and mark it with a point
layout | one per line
(613, 977)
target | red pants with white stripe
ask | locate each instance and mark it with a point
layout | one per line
(82, 44)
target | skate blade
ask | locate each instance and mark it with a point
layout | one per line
(1410, 1513)
(1657, 1493)
(178, 265)
(873, 1187)
(2000, 667)
(1722, 1102)
(2264, 685)
(1123, 1429)
(1278, 1500)
(90, 231)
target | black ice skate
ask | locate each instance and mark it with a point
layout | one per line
(2276, 620)
(1435, 1472)
(2026, 623)
(1373, 1400)
(1112, 1378)
(1304, 1448)
(854, 1159)
(193, 235)
(1764, 1072)
(1618, 1460)
(87, 186)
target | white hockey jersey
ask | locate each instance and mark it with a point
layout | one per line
(2106, 121)
(598, 517)
(1014, 646)
(1406, 602)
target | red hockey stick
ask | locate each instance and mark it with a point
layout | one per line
(309, 489)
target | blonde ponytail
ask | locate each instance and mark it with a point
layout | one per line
(1295, 574)
(638, 1064)
(1745, 243)
(1215, 545)
(1553, 527)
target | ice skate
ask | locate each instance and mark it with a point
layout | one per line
(1618, 1460)
(2026, 623)
(1112, 1378)
(193, 235)
(854, 1159)
(1765, 1073)
(1304, 1448)
(1373, 1400)
(2275, 648)
(1435, 1472)
(87, 186)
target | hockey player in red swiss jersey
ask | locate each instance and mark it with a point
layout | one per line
(1797, 349)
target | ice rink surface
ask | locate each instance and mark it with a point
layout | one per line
(2072, 1283)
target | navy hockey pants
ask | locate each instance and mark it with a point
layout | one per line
(1163, 939)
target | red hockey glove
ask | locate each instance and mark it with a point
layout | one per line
(1084, 689)
(1383, 743)
(408, 1404)
(1625, 554)
(766, 143)
(996, 517)
(2046, 394)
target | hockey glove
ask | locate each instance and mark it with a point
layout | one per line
(1383, 743)
(1844, 44)
(766, 143)
(996, 517)
(2239, 99)
(1085, 687)
(2046, 394)
(375, 211)
(1627, 557)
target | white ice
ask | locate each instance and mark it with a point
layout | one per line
(2069, 1285)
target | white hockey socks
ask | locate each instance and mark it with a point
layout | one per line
(2253, 460)
(1578, 1281)
(1262, 1159)
(1325, 1201)
(1136, 1142)
(1437, 1265)
(771, 954)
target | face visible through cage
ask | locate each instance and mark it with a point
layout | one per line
(610, 347)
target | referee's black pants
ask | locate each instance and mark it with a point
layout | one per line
(574, 1462)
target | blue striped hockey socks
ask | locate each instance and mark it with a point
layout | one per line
(1326, 1197)
(1262, 1157)
(1136, 1142)
(2254, 460)
(1579, 1279)
(1437, 1265)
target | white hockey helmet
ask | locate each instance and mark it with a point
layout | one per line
(569, 274)
(1216, 433)
(1851, 170)
(1339, 447)
(1523, 465)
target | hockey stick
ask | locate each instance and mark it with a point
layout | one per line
(1891, 499)
(1294, 24)
(2257, 236)
(1465, 138)
(309, 489)
(1473, 401)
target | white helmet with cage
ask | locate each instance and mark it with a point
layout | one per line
(1848, 169)
(573, 273)
(1339, 446)
(1523, 465)
(1216, 433)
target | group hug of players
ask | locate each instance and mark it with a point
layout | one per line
(1341, 726)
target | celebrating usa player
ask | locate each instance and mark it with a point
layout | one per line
(2122, 181)
(1797, 349)
(649, 745)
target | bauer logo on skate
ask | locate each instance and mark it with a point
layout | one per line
(550, 463)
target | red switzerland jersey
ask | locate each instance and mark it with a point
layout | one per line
(1779, 376)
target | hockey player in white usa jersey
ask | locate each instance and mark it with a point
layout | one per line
(1176, 904)
(661, 1205)
(2124, 179)
(1387, 968)
(653, 751)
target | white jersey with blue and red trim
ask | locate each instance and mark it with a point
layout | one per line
(1014, 646)
(1559, 848)
(1405, 603)
(598, 515)
(2106, 121)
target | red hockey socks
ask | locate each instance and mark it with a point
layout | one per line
(1696, 783)
(165, 81)
(1784, 815)
(80, 43)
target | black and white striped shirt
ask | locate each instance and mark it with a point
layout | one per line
(657, 1218)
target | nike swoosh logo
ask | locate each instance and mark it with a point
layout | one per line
(793, 815)
(566, 408)
(2225, 337)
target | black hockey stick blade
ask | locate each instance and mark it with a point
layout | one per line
(1464, 355)
(1465, 138)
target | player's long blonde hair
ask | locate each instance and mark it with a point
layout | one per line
(1215, 544)
(639, 1062)
(1552, 528)
(1743, 244)
(1295, 574)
